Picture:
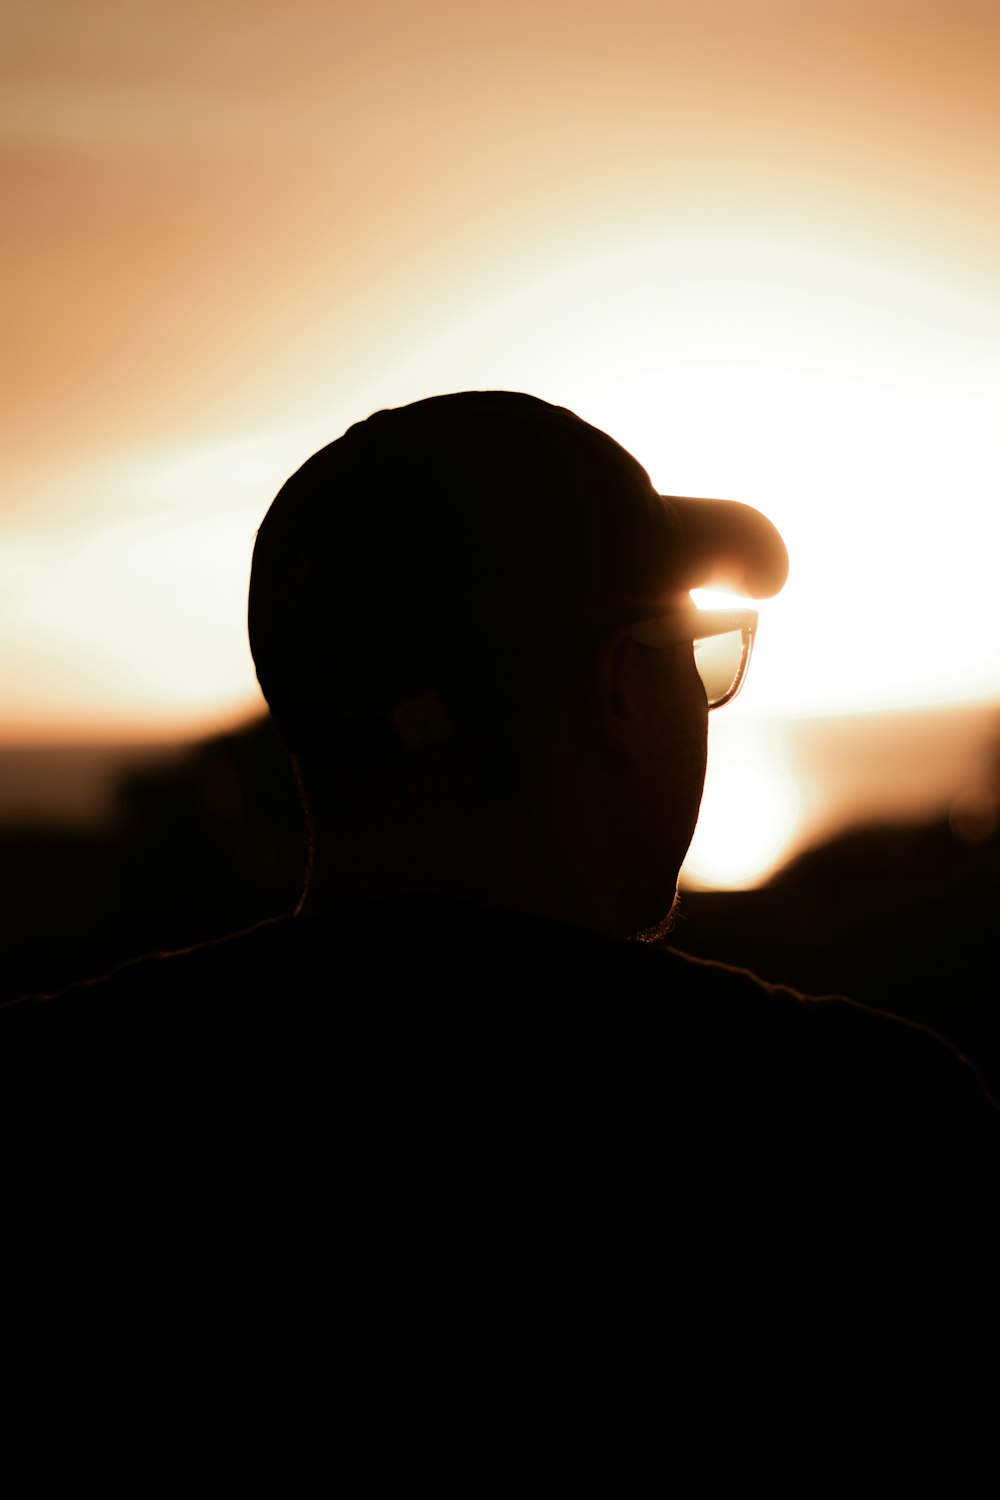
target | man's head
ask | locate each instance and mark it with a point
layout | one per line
(446, 568)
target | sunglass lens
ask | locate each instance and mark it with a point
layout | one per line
(719, 659)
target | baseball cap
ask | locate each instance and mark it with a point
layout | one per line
(443, 561)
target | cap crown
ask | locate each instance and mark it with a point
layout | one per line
(472, 546)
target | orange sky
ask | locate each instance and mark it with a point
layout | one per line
(758, 240)
(215, 212)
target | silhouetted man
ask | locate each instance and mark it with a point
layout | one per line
(472, 623)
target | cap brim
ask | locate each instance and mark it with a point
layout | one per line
(728, 545)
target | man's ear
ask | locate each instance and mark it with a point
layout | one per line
(616, 700)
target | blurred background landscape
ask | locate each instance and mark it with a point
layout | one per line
(758, 241)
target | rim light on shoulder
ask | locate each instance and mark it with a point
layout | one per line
(722, 641)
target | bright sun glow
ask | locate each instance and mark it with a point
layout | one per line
(748, 812)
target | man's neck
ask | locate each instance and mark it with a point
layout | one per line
(491, 859)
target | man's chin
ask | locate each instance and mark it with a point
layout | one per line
(661, 929)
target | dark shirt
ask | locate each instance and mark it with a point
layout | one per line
(429, 1052)
(330, 1153)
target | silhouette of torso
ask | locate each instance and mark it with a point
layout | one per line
(425, 1051)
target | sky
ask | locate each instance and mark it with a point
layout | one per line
(758, 241)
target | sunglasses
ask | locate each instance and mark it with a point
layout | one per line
(722, 640)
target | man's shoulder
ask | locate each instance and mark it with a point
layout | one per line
(432, 1019)
(509, 969)
(170, 980)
